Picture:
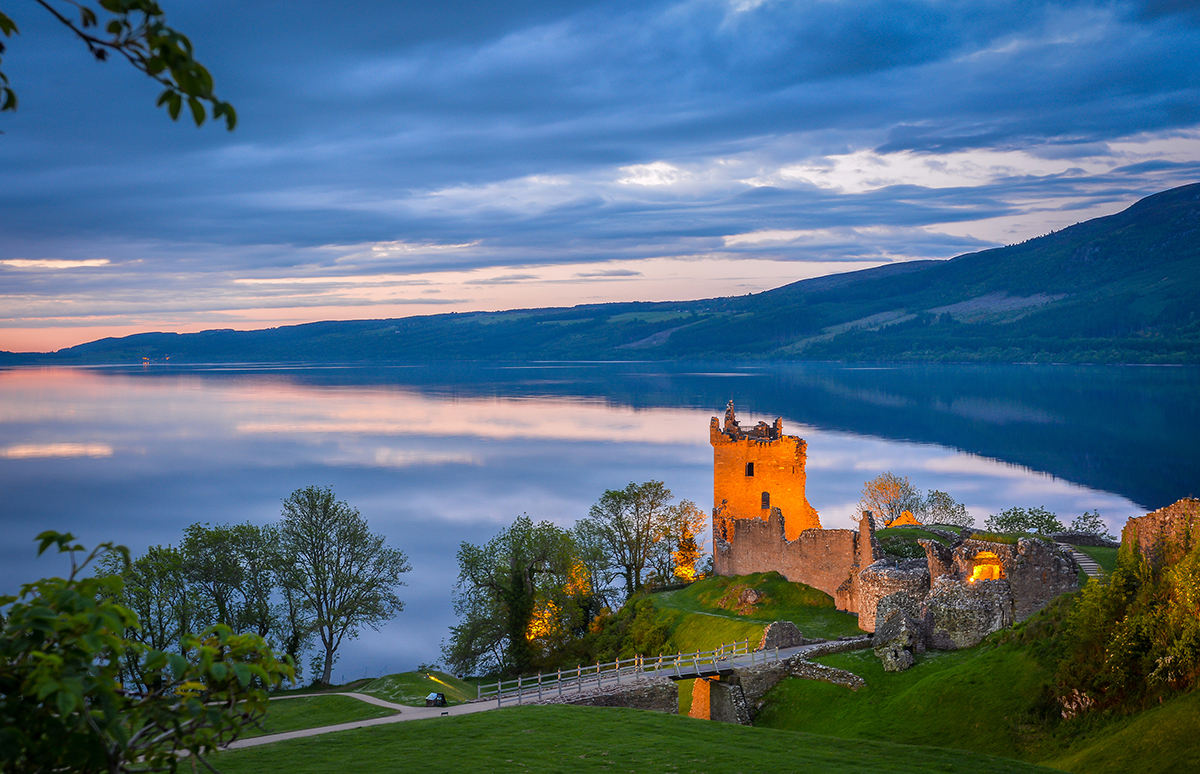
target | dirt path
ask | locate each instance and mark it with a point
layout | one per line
(404, 713)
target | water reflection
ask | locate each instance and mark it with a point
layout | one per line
(436, 455)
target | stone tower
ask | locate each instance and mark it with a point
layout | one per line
(756, 470)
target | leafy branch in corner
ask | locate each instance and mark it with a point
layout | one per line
(138, 31)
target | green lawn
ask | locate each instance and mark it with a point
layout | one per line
(969, 699)
(1102, 555)
(411, 688)
(314, 711)
(718, 620)
(590, 739)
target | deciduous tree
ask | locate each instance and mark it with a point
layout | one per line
(345, 575)
(941, 508)
(630, 522)
(501, 586)
(888, 496)
(1037, 520)
(63, 704)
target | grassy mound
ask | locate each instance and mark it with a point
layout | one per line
(993, 699)
(969, 699)
(411, 688)
(713, 613)
(314, 711)
(549, 739)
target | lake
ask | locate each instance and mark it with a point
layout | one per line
(437, 454)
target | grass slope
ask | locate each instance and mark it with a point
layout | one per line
(966, 699)
(314, 711)
(1160, 739)
(712, 615)
(590, 739)
(411, 688)
(987, 700)
(706, 614)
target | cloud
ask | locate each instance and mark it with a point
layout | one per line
(408, 140)
(607, 273)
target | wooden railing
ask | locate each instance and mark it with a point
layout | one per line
(565, 681)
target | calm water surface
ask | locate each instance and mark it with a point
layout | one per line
(434, 455)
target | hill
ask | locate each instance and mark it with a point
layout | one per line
(1119, 289)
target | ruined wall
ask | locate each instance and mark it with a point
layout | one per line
(821, 558)
(884, 578)
(747, 463)
(1166, 535)
(1041, 572)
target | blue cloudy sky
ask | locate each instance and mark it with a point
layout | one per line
(397, 158)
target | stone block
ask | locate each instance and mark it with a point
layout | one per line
(958, 614)
(781, 634)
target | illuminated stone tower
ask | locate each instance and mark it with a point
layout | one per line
(756, 470)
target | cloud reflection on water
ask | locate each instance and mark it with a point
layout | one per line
(426, 468)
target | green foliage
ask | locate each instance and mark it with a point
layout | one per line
(522, 572)
(1037, 520)
(903, 546)
(137, 30)
(597, 739)
(1135, 638)
(64, 706)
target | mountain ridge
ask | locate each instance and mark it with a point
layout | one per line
(1117, 289)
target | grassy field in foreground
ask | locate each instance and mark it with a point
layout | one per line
(583, 739)
(314, 711)
(411, 688)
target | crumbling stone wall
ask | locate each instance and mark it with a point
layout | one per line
(1166, 535)
(1040, 573)
(821, 558)
(960, 615)
(886, 577)
(749, 462)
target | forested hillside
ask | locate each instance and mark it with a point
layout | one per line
(1119, 289)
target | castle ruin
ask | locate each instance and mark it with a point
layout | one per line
(763, 522)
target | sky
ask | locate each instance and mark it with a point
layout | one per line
(394, 159)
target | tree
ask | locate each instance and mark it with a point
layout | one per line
(1038, 520)
(156, 590)
(1091, 522)
(63, 705)
(136, 30)
(676, 551)
(888, 496)
(629, 522)
(522, 573)
(344, 575)
(232, 568)
(941, 508)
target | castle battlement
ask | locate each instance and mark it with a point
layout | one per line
(756, 470)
